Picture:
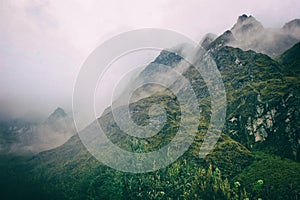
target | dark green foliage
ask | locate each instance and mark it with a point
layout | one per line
(281, 178)
(230, 156)
(181, 180)
(291, 58)
(139, 113)
(16, 180)
(75, 174)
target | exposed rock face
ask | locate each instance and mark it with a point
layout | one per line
(263, 101)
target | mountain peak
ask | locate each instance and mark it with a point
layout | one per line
(207, 40)
(57, 114)
(243, 18)
(246, 24)
(292, 24)
(222, 40)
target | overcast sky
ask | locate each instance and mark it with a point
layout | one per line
(44, 43)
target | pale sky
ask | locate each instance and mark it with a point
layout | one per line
(44, 43)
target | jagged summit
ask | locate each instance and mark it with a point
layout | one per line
(246, 25)
(243, 18)
(59, 113)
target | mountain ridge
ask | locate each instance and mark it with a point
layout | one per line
(249, 34)
(245, 75)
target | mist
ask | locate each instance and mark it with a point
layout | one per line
(21, 137)
(44, 43)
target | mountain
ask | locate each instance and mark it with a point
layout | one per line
(249, 34)
(262, 116)
(58, 114)
(257, 155)
(20, 137)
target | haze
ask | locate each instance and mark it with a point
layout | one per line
(44, 43)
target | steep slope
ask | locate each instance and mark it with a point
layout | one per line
(262, 97)
(71, 166)
(263, 101)
(291, 58)
(262, 115)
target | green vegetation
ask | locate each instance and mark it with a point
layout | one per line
(16, 180)
(281, 177)
(263, 102)
(291, 58)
